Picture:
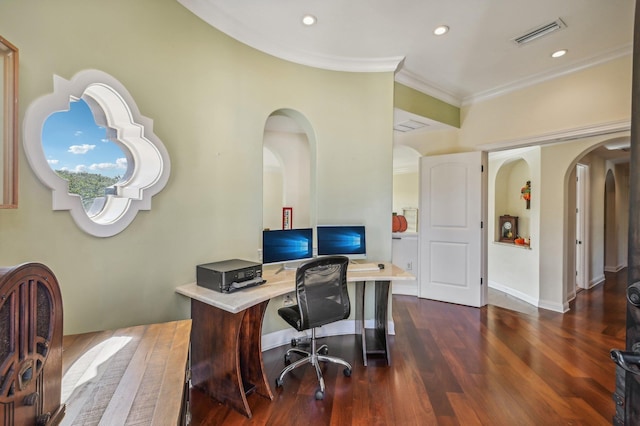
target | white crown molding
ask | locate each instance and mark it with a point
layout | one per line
(540, 78)
(409, 79)
(215, 17)
(561, 136)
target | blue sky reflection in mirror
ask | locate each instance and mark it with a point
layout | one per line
(82, 152)
(72, 141)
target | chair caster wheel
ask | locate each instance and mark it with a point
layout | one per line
(287, 359)
(324, 351)
(347, 372)
(294, 342)
(319, 395)
(278, 383)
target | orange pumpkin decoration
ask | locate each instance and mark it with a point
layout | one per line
(399, 223)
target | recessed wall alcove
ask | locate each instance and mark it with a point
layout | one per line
(512, 176)
(288, 170)
(514, 269)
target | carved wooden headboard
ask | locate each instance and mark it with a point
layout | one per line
(30, 346)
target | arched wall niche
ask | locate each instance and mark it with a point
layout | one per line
(510, 178)
(289, 178)
(114, 108)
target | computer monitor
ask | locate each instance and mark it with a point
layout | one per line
(346, 240)
(287, 246)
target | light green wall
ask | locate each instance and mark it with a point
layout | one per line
(209, 97)
(416, 102)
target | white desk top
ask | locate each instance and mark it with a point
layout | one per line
(277, 285)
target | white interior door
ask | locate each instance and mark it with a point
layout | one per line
(582, 180)
(452, 239)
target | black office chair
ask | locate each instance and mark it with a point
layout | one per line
(321, 292)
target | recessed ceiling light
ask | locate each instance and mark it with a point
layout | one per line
(440, 30)
(309, 20)
(559, 53)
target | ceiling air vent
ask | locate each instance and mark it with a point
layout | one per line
(409, 125)
(541, 31)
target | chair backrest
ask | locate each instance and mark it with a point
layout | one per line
(321, 289)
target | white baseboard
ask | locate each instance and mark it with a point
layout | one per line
(595, 281)
(405, 288)
(554, 306)
(614, 268)
(540, 303)
(515, 293)
(283, 337)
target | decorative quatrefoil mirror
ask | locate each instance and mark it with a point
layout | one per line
(88, 142)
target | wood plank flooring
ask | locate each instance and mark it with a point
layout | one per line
(455, 365)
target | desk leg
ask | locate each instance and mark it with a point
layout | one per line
(383, 293)
(226, 361)
(374, 341)
(360, 326)
(250, 341)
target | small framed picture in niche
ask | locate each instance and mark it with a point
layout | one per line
(508, 227)
(287, 218)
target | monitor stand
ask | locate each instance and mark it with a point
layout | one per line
(290, 266)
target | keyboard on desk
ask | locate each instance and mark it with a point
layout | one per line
(363, 267)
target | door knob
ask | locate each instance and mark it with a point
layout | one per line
(633, 294)
(629, 361)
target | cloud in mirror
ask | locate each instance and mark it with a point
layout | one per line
(73, 142)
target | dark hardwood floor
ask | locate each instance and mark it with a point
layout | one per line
(455, 365)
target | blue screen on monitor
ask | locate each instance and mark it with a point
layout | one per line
(287, 245)
(341, 240)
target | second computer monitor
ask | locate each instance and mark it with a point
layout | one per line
(347, 240)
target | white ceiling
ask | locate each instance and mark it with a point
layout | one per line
(475, 60)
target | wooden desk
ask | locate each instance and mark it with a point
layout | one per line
(226, 341)
(134, 375)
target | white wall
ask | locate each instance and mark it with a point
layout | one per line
(292, 149)
(405, 191)
(618, 236)
(272, 186)
(622, 213)
(611, 243)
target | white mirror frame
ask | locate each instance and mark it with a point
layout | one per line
(150, 168)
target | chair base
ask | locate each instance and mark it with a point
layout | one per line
(314, 357)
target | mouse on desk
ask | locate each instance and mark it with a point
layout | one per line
(381, 265)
